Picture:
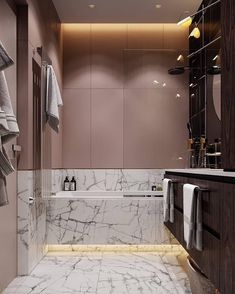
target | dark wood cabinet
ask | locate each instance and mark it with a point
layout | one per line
(217, 260)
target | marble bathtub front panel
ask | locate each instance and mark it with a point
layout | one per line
(114, 221)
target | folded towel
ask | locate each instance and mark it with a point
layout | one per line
(8, 124)
(53, 99)
(192, 217)
(5, 59)
(3, 191)
(168, 200)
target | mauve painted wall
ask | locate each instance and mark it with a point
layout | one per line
(119, 118)
(42, 28)
(8, 234)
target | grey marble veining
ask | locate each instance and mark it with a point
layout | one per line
(107, 221)
(31, 223)
(101, 273)
(109, 179)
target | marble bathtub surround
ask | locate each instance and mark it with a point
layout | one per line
(109, 179)
(106, 222)
(101, 273)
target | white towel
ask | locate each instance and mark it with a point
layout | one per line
(5, 59)
(8, 124)
(192, 217)
(168, 200)
(53, 99)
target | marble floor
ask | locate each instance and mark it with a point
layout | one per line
(111, 273)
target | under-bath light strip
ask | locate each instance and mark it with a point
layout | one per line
(68, 249)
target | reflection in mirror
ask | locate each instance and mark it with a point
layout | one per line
(217, 90)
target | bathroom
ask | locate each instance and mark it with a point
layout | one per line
(117, 156)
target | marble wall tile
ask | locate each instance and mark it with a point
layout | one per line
(109, 179)
(141, 179)
(31, 223)
(114, 221)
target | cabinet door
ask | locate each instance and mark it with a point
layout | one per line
(227, 259)
(209, 258)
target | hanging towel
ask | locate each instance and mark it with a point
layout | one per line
(8, 125)
(198, 233)
(53, 99)
(192, 217)
(3, 191)
(5, 59)
(168, 200)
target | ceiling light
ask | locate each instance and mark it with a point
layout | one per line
(191, 85)
(91, 6)
(186, 22)
(180, 58)
(216, 57)
(158, 6)
(195, 33)
(156, 82)
(178, 95)
(164, 84)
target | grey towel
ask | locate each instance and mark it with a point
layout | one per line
(198, 221)
(168, 198)
(5, 163)
(5, 59)
(8, 124)
(53, 99)
(192, 217)
(3, 191)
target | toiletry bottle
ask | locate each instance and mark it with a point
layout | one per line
(66, 184)
(73, 185)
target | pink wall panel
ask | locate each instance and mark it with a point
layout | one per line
(76, 128)
(140, 132)
(145, 36)
(107, 44)
(77, 56)
(107, 128)
(8, 219)
(154, 128)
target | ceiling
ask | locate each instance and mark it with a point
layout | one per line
(124, 11)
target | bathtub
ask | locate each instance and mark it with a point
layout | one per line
(106, 194)
(106, 218)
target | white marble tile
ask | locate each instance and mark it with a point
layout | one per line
(141, 179)
(101, 273)
(114, 221)
(109, 179)
(31, 222)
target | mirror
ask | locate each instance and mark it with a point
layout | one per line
(217, 91)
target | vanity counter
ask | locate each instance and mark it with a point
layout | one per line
(218, 175)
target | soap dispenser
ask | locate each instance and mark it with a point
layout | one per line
(66, 184)
(73, 185)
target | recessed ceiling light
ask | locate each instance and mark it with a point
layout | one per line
(158, 6)
(216, 57)
(91, 6)
(156, 82)
(178, 95)
(164, 84)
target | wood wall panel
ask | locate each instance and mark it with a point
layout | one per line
(228, 85)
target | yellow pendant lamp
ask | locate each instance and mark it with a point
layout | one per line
(186, 22)
(195, 33)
